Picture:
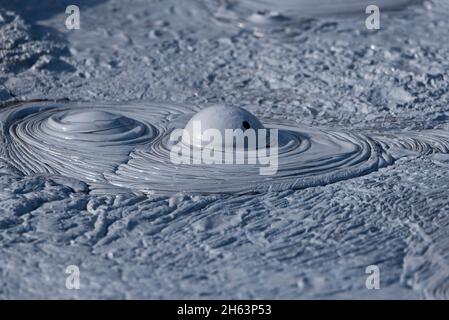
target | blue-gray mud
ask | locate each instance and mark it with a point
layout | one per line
(318, 69)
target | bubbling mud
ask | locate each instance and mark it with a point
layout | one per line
(127, 146)
(306, 157)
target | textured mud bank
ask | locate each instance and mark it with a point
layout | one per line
(86, 182)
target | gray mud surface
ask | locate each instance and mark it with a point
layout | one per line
(325, 70)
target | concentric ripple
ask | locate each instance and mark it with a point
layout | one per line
(423, 143)
(116, 146)
(76, 140)
(282, 12)
(307, 157)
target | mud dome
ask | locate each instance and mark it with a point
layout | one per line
(128, 146)
(220, 118)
